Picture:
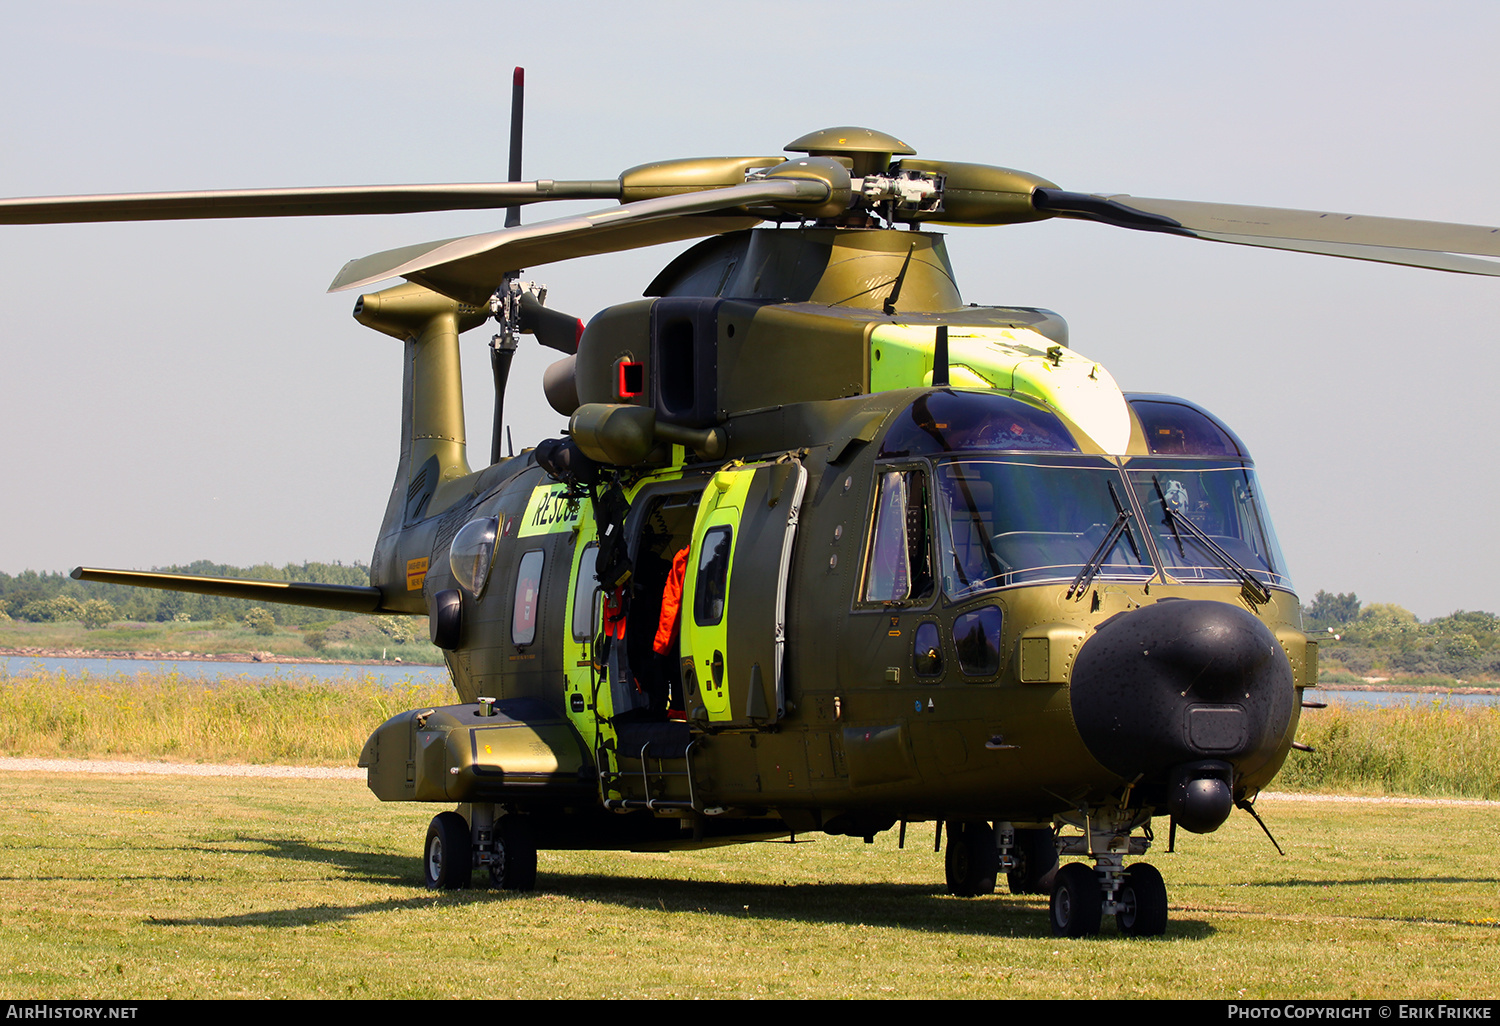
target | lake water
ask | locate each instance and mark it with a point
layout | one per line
(333, 672)
(399, 674)
(1388, 699)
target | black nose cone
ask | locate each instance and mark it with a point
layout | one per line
(1182, 681)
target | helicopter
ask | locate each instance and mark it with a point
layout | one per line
(928, 563)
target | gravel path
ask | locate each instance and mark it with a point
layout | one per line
(1282, 796)
(180, 769)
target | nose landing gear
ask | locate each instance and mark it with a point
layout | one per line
(1142, 901)
(1081, 897)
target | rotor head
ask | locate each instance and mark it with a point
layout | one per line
(863, 150)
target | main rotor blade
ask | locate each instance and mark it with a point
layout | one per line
(468, 269)
(347, 597)
(303, 202)
(1391, 240)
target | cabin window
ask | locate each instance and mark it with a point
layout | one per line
(928, 651)
(586, 595)
(976, 637)
(898, 567)
(528, 596)
(713, 577)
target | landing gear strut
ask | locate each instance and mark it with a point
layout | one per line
(1032, 860)
(972, 861)
(1142, 902)
(512, 858)
(447, 858)
(1081, 897)
(1077, 903)
(507, 848)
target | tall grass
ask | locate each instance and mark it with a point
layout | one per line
(1431, 748)
(186, 719)
(1427, 749)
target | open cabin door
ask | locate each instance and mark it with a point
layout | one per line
(734, 595)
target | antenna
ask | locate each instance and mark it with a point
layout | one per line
(940, 357)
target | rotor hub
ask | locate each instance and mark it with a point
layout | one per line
(867, 151)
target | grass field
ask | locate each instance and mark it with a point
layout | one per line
(177, 887)
(139, 887)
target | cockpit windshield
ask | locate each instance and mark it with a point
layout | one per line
(1003, 489)
(1006, 520)
(1220, 499)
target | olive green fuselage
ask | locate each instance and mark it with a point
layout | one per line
(876, 706)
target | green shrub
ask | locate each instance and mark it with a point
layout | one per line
(96, 613)
(260, 621)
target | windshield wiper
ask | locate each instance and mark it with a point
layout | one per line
(1258, 591)
(1121, 526)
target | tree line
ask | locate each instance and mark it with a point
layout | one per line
(1368, 639)
(42, 597)
(1381, 639)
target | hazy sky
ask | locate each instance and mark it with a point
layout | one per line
(177, 391)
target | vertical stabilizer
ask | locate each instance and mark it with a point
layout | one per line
(433, 449)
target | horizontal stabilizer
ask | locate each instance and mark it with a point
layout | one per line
(346, 597)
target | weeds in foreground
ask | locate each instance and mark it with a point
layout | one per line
(1431, 748)
(169, 716)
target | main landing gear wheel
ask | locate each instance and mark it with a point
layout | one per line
(1077, 901)
(513, 864)
(448, 857)
(1143, 902)
(972, 861)
(1035, 855)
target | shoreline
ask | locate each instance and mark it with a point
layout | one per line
(1391, 684)
(27, 652)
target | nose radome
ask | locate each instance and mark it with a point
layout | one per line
(1181, 681)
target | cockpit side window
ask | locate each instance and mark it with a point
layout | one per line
(898, 565)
